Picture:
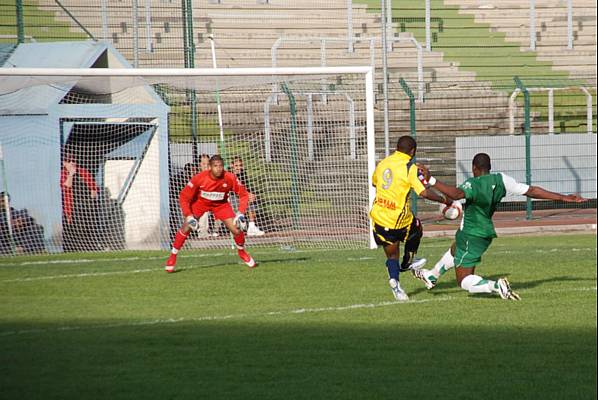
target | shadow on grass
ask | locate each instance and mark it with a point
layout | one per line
(236, 262)
(300, 359)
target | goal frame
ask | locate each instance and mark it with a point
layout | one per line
(366, 71)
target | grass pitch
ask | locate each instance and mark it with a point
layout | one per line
(304, 325)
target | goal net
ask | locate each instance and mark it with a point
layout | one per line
(94, 159)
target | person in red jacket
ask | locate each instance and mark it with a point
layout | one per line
(208, 191)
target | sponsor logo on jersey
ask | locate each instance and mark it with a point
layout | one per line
(389, 204)
(214, 196)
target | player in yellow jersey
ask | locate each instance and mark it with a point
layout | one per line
(393, 222)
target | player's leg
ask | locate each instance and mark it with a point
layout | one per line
(466, 260)
(412, 241)
(389, 241)
(179, 240)
(226, 214)
(430, 277)
(202, 224)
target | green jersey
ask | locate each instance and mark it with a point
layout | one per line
(482, 195)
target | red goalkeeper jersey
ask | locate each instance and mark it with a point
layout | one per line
(211, 192)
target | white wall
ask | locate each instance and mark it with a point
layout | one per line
(31, 149)
(563, 163)
(142, 204)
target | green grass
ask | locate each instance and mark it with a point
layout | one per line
(39, 24)
(305, 325)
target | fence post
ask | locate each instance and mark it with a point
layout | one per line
(588, 110)
(104, 12)
(409, 94)
(428, 41)
(550, 111)
(527, 131)
(384, 75)
(294, 156)
(350, 26)
(189, 61)
(532, 25)
(148, 26)
(20, 22)
(570, 24)
(135, 15)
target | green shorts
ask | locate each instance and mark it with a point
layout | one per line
(469, 249)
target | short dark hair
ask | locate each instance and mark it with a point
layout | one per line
(405, 144)
(237, 158)
(216, 157)
(482, 161)
(204, 155)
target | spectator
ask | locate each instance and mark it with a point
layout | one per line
(24, 235)
(6, 235)
(29, 236)
(79, 205)
(239, 171)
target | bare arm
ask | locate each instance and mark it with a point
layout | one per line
(432, 195)
(536, 192)
(452, 192)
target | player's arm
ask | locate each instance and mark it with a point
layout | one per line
(453, 192)
(88, 180)
(66, 179)
(188, 195)
(536, 192)
(424, 192)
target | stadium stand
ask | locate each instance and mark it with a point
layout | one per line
(466, 92)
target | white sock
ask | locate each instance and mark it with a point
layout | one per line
(444, 264)
(477, 284)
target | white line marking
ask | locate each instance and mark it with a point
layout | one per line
(90, 260)
(159, 268)
(225, 317)
(266, 314)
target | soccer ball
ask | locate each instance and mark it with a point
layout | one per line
(451, 212)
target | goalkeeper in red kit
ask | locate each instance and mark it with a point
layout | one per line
(208, 191)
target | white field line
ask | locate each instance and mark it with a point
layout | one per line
(186, 254)
(226, 317)
(137, 271)
(296, 311)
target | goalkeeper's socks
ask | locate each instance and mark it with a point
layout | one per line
(240, 240)
(477, 284)
(179, 241)
(393, 269)
(446, 262)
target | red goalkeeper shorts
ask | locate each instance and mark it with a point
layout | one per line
(221, 211)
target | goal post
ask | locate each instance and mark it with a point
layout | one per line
(96, 157)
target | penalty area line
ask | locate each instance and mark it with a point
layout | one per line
(297, 311)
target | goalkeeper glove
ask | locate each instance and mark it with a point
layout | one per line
(241, 222)
(192, 223)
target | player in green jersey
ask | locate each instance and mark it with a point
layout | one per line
(482, 193)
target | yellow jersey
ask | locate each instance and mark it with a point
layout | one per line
(394, 178)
